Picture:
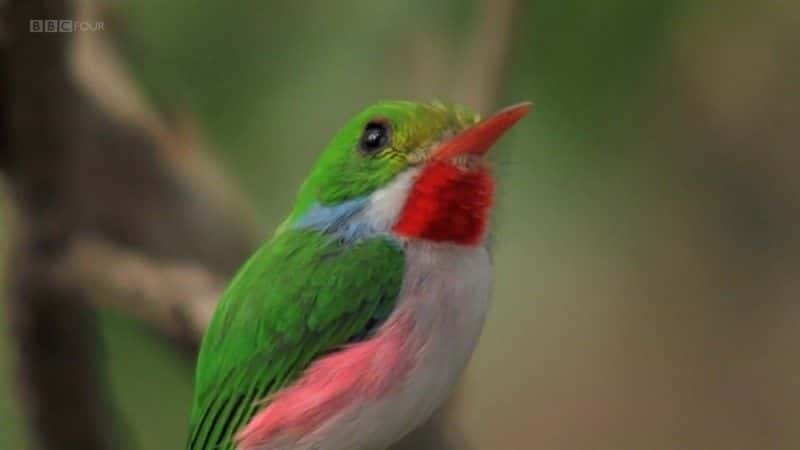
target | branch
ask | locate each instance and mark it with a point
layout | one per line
(177, 298)
(145, 181)
(54, 334)
(487, 61)
(73, 169)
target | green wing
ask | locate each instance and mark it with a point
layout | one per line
(303, 294)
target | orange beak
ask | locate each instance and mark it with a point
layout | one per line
(478, 139)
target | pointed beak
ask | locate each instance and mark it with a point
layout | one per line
(478, 139)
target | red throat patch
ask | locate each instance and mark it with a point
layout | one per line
(448, 204)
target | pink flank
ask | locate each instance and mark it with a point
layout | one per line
(364, 371)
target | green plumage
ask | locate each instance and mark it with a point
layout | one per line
(303, 294)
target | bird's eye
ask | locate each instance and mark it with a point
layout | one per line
(375, 138)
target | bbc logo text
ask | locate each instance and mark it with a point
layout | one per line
(63, 26)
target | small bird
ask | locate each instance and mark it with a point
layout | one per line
(349, 327)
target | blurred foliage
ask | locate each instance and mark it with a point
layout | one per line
(645, 223)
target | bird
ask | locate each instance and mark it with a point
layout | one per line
(349, 326)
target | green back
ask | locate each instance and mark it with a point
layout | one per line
(301, 295)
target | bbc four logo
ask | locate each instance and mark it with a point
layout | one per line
(63, 26)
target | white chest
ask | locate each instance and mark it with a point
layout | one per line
(446, 289)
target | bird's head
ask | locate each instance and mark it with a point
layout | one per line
(418, 170)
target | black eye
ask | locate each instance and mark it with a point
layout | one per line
(375, 137)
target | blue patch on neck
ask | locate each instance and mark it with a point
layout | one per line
(343, 220)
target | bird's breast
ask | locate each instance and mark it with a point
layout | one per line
(370, 394)
(446, 291)
(442, 309)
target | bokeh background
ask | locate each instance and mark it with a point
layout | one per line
(647, 253)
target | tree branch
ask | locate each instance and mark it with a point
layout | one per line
(487, 60)
(73, 169)
(54, 333)
(177, 298)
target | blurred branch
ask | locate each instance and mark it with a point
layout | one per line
(178, 298)
(54, 333)
(75, 168)
(147, 182)
(487, 60)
